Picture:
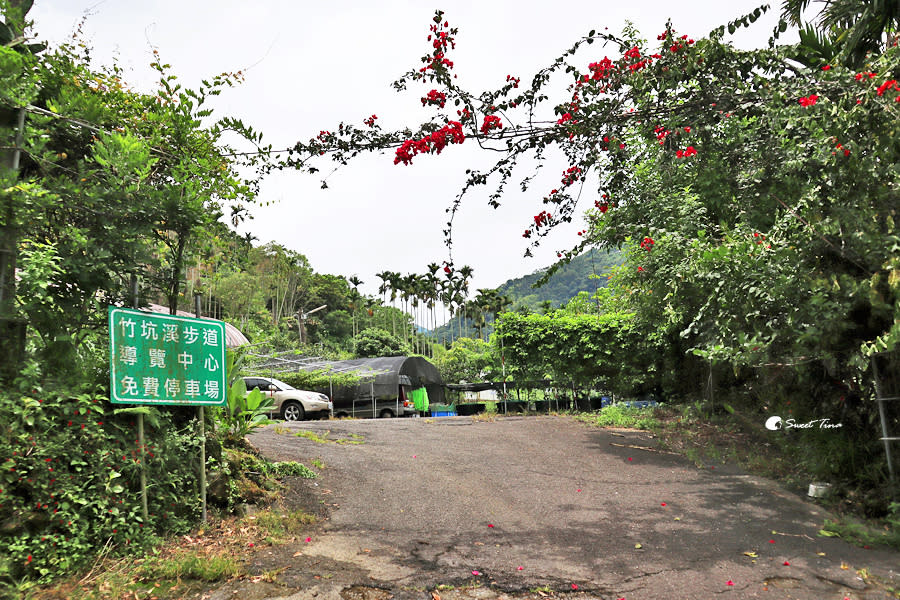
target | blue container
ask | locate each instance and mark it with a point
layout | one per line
(442, 413)
(639, 403)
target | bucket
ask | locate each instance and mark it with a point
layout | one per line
(818, 490)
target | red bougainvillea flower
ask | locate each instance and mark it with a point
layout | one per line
(520, 568)
(771, 541)
(574, 586)
(786, 563)
(600, 70)
(629, 458)
(308, 540)
(435, 98)
(886, 86)
(491, 122)
(662, 503)
(435, 142)
(729, 582)
(491, 525)
(826, 68)
(250, 544)
(809, 100)
(571, 175)
(476, 573)
(640, 269)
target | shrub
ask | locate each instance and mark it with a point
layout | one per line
(70, 481)
(374, 342)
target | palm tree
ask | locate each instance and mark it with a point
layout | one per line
(466, 272)
(434, 295)
(476, 310)
(407, 292)
(393, 286)
(492, 302)
(354, 299)
(847, 30)
(449, 296)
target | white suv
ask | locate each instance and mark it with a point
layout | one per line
(290, 403)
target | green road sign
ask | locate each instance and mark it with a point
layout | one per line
(165, 359)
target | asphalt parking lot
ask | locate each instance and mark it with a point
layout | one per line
(548, 505)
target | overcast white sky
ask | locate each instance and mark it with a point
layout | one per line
(310, 65)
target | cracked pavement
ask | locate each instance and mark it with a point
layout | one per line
(538, 505)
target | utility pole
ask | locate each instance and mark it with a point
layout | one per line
(301, 321)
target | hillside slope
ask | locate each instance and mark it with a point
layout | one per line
(565, 283)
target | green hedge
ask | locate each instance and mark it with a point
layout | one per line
(318, 380)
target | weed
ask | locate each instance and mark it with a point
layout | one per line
(324, 438)
(485, 417)
(314, 437)
(291, 468)
(271, 576)
(274, 526)
(190, 565)
(296, 521)
(317, 463)
(625, 417)
(860, 533)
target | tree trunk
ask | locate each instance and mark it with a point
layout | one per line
(175, 283)
(12, 330)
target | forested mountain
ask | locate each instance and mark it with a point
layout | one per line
(565, 283)
(584, 273)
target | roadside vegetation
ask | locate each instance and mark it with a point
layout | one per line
(184, 564)
(730, 438)
(749, 199)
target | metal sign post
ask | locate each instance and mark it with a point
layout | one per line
(140, 421)
(202, 418)
(167, 360)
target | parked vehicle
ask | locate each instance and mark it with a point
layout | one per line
(362, 407)
(292, 404)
